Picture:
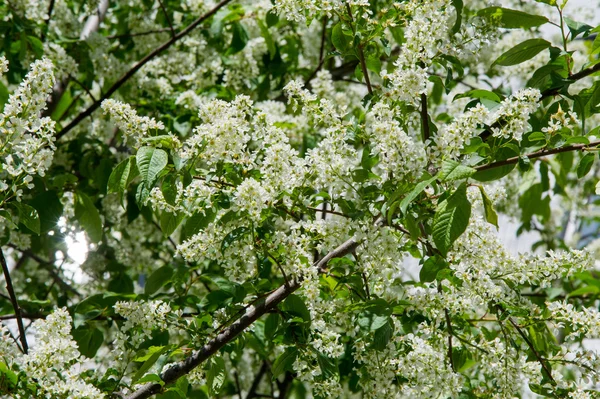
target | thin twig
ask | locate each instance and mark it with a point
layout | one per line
(251, 314)
(361, 53)
(15, 303)
(237, 384)
(149, 32)
(49, 267)
(82, 86)
(47, 27)
(96, 104)
(252, 392)
(538, 154)
(535, 352)
(425, 118)
(162, 6)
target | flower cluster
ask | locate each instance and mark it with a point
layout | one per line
(583, 322)
(26, 139)
(561, 120)
(134, 127)
(55, 363)
(452, 137)
(400, 155)
(513, 113)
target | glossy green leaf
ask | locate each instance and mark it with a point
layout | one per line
(512, 19)
(215, 375)
(522, 52)
(150, 162)
(151, 356)
(585, 164)
(431, 267)
(89, 339)
(158, 279)
(490, 213)
(285, 361)
(453, 170)
(451, 219)
(28, 216)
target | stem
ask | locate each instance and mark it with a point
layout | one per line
(361, 54)
(535, 352)
(150, 32)
(256, 382)
(538, 154)
(251, 314)
(425, 118)
(96, 104)
(162, 6)
(13, 298)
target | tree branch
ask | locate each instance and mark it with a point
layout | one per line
(361, 54)
(13, 298)
(149, 32)
(251, 314)
(91, 25)
(538, 154)
(96, 104)
(256, 381)
(535, 352)
(425, 118)
(49, 267)
(162, 6)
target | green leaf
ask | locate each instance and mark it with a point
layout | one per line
(149, 359)
(340, 40)
(272, 18)
(584, 291)
(215, 375)
(151, 378)
(453, 170)
(169, 189)
(197, 222)
(239, 38)
(373, 64)
(88, 216)
(490, 213)
(382, 336)
(28, 216)
(271, 324)
(512, 19)
(522, 52)
(285, 361)
(169, 222)
(451, 219)
(329, 367)
(89, 340)
(585, 164)
(577, 28)
(157, 279)
(49, 208)
(479, 93)
(150, 162)
(294, 305)
(8, 376)
(414, 193)
(121, 176)
(264, 31)
(431, 267)
(458, 5)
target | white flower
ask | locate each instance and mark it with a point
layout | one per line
(132, 125)
(513, 113)
(251, 197)
(55, 362)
